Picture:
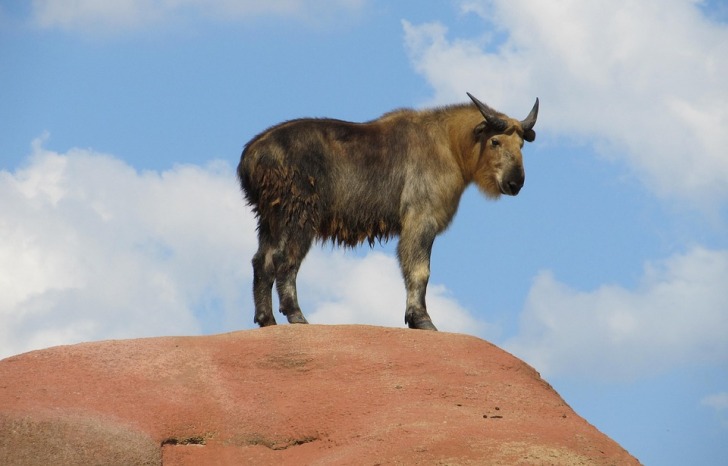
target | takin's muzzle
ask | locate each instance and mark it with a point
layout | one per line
(512, 181)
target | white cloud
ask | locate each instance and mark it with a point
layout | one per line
(91, 249)
(643, 80)
(343, 289)
(118, 15)
(717, 401)
(676, 316)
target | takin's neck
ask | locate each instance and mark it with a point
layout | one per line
(460, 122)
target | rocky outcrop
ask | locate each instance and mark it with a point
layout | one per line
(289, 394)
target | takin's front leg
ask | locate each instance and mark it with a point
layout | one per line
(413, 251)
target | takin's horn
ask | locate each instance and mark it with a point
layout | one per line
(528, 133)
(492, 120)
(530, 120)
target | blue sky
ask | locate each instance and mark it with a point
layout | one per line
(122, 122)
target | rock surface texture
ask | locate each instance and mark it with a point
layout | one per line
(289, 394)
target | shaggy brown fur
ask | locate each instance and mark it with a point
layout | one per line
(400, 175)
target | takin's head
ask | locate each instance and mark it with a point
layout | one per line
(499, 140)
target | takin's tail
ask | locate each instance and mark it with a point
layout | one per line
(279, 194)
(244, 177)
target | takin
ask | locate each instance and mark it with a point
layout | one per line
(400, 175)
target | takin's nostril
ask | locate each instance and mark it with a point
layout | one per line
(514, 187)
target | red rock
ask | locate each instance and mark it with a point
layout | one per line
(290, 394)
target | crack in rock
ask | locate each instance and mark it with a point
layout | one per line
(279, 444)
(195, 440)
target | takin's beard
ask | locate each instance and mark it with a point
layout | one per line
(487, 182)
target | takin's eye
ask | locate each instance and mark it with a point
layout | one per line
(494, 142)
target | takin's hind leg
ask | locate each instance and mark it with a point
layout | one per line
(263, 278)
(288, 259)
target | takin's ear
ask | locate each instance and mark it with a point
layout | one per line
(479, 130)
(529, 135)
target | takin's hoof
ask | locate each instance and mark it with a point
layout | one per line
(296, 318)
(265, 321)
(423, 323)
